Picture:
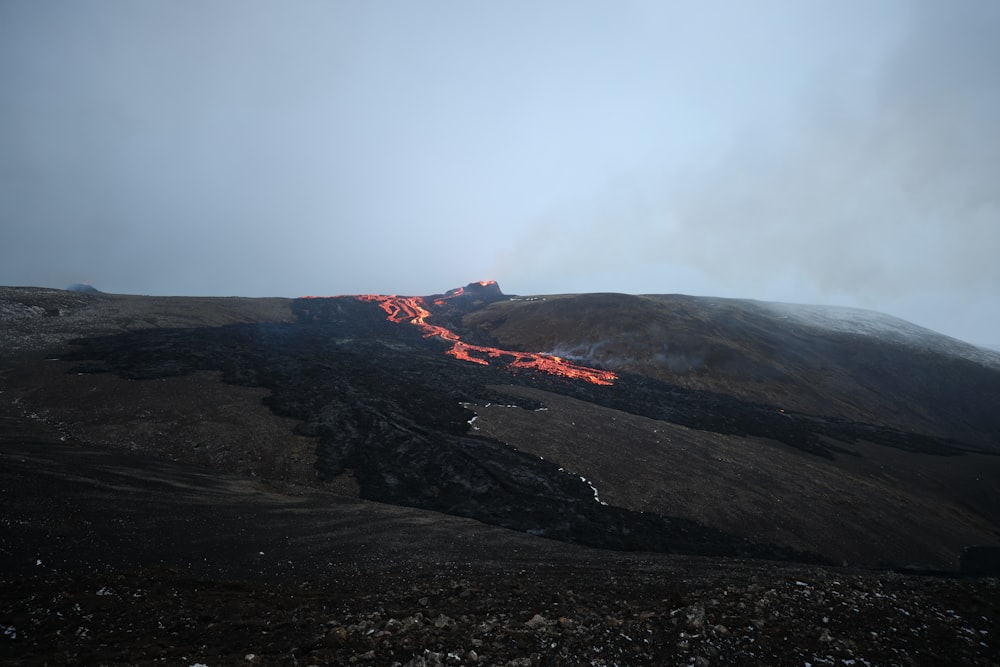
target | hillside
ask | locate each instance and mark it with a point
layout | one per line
(457, 439)
(841, 362)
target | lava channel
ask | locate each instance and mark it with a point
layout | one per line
(412, 309)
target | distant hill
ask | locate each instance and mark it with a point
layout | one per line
(83, 287)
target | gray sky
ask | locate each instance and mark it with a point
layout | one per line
(838, 152)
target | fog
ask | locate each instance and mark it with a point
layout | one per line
(838, 153)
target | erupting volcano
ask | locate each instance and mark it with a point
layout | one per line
(415, 310)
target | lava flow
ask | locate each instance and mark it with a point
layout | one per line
(413, 309)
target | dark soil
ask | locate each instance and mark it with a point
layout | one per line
(117, 558)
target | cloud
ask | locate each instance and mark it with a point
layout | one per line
(776, 149)
(882, 184)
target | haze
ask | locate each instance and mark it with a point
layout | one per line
(822, 152)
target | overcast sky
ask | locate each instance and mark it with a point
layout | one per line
(837, 152)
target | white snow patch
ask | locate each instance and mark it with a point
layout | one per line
(593, 488)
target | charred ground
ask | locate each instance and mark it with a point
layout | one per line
(359, 405)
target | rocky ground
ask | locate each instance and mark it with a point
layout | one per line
(118, 558)
(670, 615)
(153, 513)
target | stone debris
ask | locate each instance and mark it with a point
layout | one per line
(848, 618)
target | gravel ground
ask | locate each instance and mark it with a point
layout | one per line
(110, 557)
(572, 615)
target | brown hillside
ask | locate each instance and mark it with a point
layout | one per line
(744, 349)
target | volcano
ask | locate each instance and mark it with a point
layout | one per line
(414, 453)
(417, 311)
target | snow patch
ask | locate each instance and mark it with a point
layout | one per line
(593, 488)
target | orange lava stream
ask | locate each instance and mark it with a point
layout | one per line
(411, 309)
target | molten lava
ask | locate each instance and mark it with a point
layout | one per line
(413, 309)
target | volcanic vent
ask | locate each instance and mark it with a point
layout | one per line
(448, 309)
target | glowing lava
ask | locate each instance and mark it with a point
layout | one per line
(413, 310)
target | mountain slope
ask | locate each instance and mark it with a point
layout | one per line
(387, 399)
(170, 463)
(845, 363)
(114, 557)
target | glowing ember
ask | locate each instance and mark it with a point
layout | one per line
(413, 310)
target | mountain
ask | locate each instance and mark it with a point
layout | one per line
(461, 437)
(842, 362)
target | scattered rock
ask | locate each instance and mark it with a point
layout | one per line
(337, 637)
(536, 621)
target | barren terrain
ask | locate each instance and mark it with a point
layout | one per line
(232, 481)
